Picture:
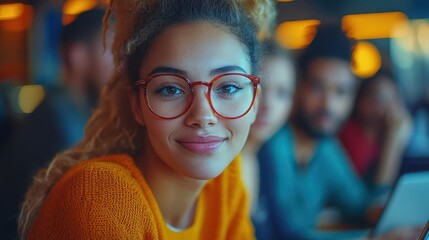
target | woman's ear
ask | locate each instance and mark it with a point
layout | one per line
(136, 106)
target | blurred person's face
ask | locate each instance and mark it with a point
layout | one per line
(278, 86)
(198, 144)
(101, 62)
(325, 96)
(373, 105)
(88, 65)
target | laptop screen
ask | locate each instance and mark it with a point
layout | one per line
(407, 206)
(425, 233)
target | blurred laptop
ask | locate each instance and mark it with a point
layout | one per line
(425, 233)
(408, 205)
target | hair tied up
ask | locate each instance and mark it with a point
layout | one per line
(263, 13)
(126, 12)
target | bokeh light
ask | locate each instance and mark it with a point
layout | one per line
(15, 17)
(366, 59)
(74, 7)
(11, 11)
(296, 34)
(29, 97)
(373, 25)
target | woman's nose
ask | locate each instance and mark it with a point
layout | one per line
(200, 113)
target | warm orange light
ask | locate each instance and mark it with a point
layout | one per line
(75, 7)
(20, 23)
(366, 59)
(373, 25)
(67, 19)
(11, 11)
(296, 34)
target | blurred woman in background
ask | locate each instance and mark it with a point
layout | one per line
(378, 131)
(278, 86)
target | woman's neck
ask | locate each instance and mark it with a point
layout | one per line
(251, 147)
(250, 171)
(175, 194)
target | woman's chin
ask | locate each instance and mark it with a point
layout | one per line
(205, 169)
(203, 174)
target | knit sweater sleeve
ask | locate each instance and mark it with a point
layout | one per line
(95, 201)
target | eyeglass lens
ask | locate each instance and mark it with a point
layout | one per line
(169, 96)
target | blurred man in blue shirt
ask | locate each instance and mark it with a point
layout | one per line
(303, 166)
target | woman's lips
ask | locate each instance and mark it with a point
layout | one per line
(201, 144)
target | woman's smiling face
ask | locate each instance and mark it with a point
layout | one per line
(199, 144)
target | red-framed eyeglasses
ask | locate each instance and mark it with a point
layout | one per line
(230, 95)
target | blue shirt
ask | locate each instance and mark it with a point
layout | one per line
(297, 194)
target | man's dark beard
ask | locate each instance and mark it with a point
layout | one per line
(303, 122)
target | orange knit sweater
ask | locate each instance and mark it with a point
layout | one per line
(108, 198)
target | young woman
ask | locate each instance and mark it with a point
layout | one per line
(278, 86)
(160, 158)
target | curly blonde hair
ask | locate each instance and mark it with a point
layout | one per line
(112, 128)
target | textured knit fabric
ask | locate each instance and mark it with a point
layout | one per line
(108, 198)
(297, 194)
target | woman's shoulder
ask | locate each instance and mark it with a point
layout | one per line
(102, 190)
(109, 174)
(114, 162)
(120, 164)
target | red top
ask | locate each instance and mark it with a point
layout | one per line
(362, 150)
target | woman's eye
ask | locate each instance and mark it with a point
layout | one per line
(169, 91)
(228, 89)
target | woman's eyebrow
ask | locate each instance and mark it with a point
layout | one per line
(168, 70)
(226, 69)
(214, 72)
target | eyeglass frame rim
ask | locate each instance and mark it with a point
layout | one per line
(142, 83)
